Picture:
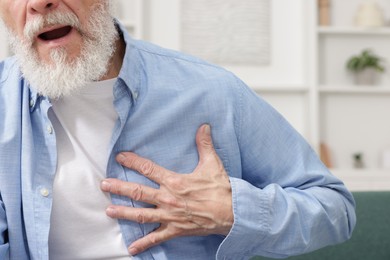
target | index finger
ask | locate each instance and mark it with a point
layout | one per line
(144, 166)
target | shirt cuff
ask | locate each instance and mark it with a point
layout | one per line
(251, 209)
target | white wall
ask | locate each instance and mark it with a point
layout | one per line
(288, 34)
(3, 43)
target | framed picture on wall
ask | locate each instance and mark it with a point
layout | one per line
(228, 32)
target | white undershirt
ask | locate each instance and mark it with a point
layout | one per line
(79, 227)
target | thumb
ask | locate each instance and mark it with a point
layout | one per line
(204, 142)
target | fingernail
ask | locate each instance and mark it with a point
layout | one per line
(110, 211)
(105, 185)
(133, 251)
(207, 129)
(121, 157)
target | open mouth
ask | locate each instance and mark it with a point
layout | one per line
(55, 34)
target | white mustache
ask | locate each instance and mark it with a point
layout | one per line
(33, 27)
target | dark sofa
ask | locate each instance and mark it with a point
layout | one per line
(371, 237)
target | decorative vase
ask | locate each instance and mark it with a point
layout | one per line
(370, 15)
(324, 12)
(366, 77)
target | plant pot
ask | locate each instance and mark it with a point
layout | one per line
(366, 77)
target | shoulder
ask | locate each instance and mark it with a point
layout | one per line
(9, 70)
(154, 51)
(183, 69)
(11, 84)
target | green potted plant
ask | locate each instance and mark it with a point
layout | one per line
(365, 67)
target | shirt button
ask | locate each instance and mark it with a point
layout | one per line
(49, 129)
(32, 102)
(44, 192)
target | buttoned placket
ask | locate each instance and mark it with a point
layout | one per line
(41, 177)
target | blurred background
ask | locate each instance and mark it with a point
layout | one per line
(324, 64)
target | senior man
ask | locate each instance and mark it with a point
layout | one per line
(80, 93)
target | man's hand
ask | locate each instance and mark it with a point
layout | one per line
(197, 204)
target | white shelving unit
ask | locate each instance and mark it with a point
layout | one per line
(328, 107)
(352, 119)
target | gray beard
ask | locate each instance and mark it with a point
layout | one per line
(63, 77)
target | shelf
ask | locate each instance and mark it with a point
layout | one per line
(364, 172)
(281, 89)
(354, 90)
(385, 31)
(364, 179)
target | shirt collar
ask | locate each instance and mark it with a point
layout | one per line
(33, 95)
(131, 66)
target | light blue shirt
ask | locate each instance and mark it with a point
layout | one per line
(285, 201)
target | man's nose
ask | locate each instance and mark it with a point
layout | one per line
(42, 6)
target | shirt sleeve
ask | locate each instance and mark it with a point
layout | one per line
(4, 245)
(287, 202)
